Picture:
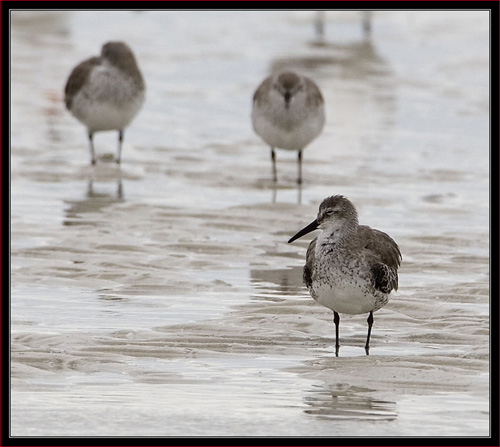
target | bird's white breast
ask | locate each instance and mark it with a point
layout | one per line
(109, 100)
(344, 296)
(292, 128)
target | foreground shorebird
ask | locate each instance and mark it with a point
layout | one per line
(350, 268)
(106, 92)
(288, 113)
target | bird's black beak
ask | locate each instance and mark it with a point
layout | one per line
(288, 97)
(311, 227)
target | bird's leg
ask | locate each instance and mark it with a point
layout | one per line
(92, 151)
(273, 158)
(336, 320)
(120, 141)
(319, 23)
(370, 324)
(367, 26)
(90, 187)
(299, 159)
(119, 192)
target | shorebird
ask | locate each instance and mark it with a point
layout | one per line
(288, 113)
(106, 92)
(350, 268)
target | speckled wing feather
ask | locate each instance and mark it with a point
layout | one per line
(384, 278)
(310, 259)
(386, 258)
(77, 78)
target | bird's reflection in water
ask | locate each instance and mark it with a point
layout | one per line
(342, 401)
(276, 186)
(98, 196)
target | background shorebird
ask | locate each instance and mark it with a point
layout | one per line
(350, 268)
(288, 113)
(106, 92)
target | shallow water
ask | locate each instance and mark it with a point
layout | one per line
(161, 298)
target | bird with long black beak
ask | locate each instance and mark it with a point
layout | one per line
(350, 268)
(288, 113)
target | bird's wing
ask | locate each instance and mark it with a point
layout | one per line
(385, 258)
(265, 85)
(314, 96)
(78, 77)
(310, 259)
(384, 278)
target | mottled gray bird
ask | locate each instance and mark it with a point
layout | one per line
(288, 113)
(350, 268)
(106, 92)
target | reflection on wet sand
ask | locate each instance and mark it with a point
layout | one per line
(95, 200)
(275, 187)
(40, 24)
(360, 54)
(357, 60)
(271, 284)
(342, 401)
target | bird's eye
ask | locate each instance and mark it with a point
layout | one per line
(329, 212)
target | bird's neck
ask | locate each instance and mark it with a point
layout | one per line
(338, 237)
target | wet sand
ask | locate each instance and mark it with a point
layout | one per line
(160, 298)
